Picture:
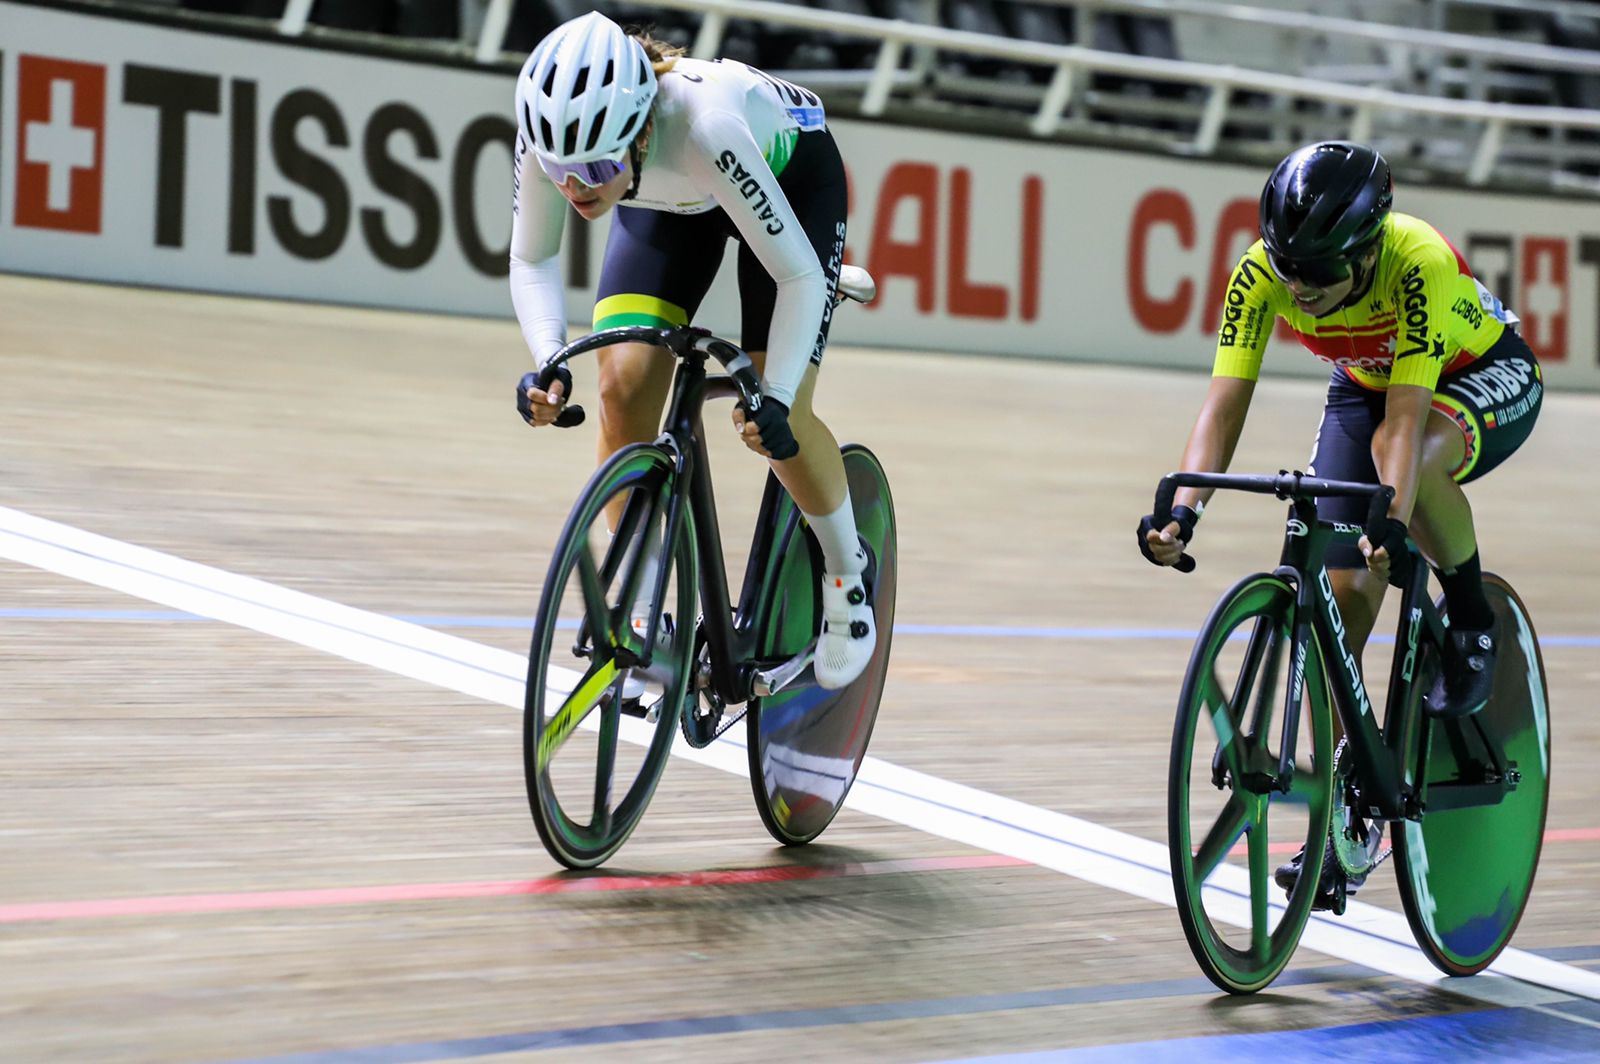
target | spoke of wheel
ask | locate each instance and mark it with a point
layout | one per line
(1229, 742)
(605, 762)
(594, 604)
(1260, 882)
(1220, 839)
(577, 706)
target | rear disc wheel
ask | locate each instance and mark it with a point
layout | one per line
(806, 744)
(1466, 874)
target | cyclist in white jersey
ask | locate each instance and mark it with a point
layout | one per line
(692, 153)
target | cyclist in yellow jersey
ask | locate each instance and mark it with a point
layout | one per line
(1432, 387)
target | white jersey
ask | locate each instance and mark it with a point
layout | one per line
(723, 131)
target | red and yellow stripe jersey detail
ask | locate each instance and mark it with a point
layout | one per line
(1423, 315)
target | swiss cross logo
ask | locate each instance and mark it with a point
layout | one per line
(1544, 296)
(61, 121)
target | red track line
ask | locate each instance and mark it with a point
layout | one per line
(188, 904)
(185, 904)
(1572, 835)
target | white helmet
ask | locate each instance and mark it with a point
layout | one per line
(585, 91)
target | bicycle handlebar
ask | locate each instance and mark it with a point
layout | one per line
(681, 340)
(1286, 485)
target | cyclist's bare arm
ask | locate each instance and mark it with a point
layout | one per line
(1210, 450)
(1397, 444)
(1397, 453)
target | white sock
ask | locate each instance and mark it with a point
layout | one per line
(836, 534)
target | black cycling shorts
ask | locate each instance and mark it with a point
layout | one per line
(1494, 400)
(659, 266)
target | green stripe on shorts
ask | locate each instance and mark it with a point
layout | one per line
(616, 311)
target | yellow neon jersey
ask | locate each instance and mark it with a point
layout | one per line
(1424, 314)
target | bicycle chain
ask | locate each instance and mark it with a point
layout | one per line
(696, 692)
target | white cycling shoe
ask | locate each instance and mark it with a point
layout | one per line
(633, 682)
(849, 633)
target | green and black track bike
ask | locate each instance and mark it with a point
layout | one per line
(1255, 772)
(637, 638)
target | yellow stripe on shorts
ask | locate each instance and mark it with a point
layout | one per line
(613, 312)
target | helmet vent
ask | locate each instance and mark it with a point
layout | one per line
(643, 76)
(627, 127)
(549, 86)
(594, 129)
(581, 82)
(569, 143)
(549, 137)
(610, 74)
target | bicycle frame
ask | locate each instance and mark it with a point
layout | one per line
(1386, 792)
(1393, 787)
(730, 635)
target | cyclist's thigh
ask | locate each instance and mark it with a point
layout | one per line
(1343, 451)
(1494, 402)
(658, 267)
(814, 183)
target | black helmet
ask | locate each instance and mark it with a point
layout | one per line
(1322, 208)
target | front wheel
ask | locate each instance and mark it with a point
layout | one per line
(1224, 786)
(598, 722)
(806, 744)
(1466, 873)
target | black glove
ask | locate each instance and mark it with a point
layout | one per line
(772, 422)
(1186, 519)
(531, 380)
(1390, 534)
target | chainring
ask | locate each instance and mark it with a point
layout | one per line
(705, 716)
(1356, 841)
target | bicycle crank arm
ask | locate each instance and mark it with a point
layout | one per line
(771, 681)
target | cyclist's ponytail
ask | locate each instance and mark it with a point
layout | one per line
(663, 56)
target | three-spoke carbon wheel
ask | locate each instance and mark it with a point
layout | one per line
(1230, 820)
(599, 720)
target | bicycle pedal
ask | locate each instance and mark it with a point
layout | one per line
(633, 707)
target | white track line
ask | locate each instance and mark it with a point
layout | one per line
(1366, 934)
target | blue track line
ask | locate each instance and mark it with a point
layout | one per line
(1526, 1035)
(787, 1019)
(1496, 1035)
(469, 621)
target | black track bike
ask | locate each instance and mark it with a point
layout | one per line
(637, 638)
(1255, 773)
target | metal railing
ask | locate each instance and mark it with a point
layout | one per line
(1071, 64)
(1488, 129)
(1403, 39)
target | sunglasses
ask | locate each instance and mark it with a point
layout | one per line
(591, 174)
(1312, 274)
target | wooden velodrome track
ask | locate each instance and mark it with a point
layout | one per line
(219, 844)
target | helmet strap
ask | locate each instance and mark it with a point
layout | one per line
(636, 157)
(1363, 275)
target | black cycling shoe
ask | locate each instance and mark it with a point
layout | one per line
(1332, 886)
(1467, 679)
